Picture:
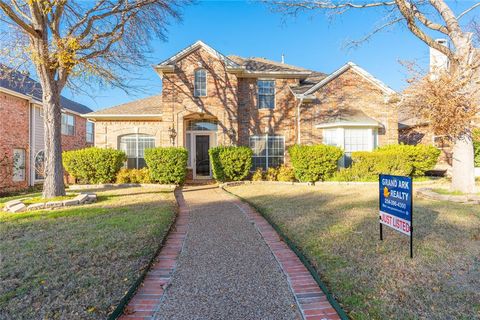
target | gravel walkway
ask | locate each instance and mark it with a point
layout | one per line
(226, 270)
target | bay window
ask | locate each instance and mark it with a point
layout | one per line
(351, 139)
(268, 151)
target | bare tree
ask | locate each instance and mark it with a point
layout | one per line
(78, 43)
(424, 18)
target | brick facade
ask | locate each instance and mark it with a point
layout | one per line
(15, 130)
(14, 134)
(231, 100)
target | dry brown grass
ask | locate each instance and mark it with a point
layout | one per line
(78, 263)
(337, 228)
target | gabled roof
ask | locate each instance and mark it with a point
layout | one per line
(22, 84)
(147, 108)
(199, 44)
(347, 117)
(357, 69)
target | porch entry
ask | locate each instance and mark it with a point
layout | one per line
(199, 138)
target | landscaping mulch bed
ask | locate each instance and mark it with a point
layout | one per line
(77, 263)
(336, 226)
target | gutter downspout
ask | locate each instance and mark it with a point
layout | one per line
(299, 139)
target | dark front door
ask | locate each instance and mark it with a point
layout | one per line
(202, 163)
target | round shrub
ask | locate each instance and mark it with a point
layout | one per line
(230, 163)
(167, 164)
(285, 174)
(314, 163)
(94, 165)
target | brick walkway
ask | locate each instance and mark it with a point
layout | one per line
(188, 283)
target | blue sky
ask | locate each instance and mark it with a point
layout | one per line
(251, 29)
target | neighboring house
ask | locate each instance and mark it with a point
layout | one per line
(22, 131)
(413, 130)
(210, 99)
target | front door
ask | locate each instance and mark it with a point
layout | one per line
(202, 160)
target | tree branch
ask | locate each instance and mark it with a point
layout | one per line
(468, 10)
(15, 18)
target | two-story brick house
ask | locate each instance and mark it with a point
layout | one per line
(210, 99)
(22, 132)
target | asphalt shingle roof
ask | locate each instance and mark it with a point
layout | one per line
(265, 65)
(23, 84)
(147, 106)
(347, 116)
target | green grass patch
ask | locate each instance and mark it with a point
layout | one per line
(336, 227)
(77, 263)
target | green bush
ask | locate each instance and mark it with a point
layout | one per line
(133, 176)
(422, 157)
(167, 165)
(285, 174)
(368, 165)
(257, 175)
(94, 165)
(404, 160)
(476, 148)
(230, 163)
(271, 174)
(314, 163)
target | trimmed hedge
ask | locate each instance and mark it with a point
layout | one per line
(94, 165)
(314, 163)
(230, 163)
(422, 157)
(404, 160)
(167, 164)
(285, 174)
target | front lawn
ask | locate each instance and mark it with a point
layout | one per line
(77, 263)
(336, 226)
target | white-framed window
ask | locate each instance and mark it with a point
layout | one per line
(134, 146)
(19, 165)
(351, 140)
(266, 94)
(68, 124)
(89, 130)
(268, 151)
(200, 83)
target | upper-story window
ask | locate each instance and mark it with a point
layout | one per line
(266, 94)
(89, 132)
(68, 124)
(200, 83)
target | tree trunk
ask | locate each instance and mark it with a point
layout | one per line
(53, 185)
(463, 172)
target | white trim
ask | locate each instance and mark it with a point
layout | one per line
(212, 143)
(122, 116)
(347, 124)
(360, 71)
(196, 45)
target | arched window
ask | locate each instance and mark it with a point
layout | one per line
(134, 146)
(40, 165)
(200, 83)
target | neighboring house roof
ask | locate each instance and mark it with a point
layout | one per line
(148, 108)
(347, 117)
(24, 85)
(306, 84)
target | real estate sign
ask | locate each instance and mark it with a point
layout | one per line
(395, 194)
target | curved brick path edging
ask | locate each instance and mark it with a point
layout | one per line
(150, 293)
(311, 300)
